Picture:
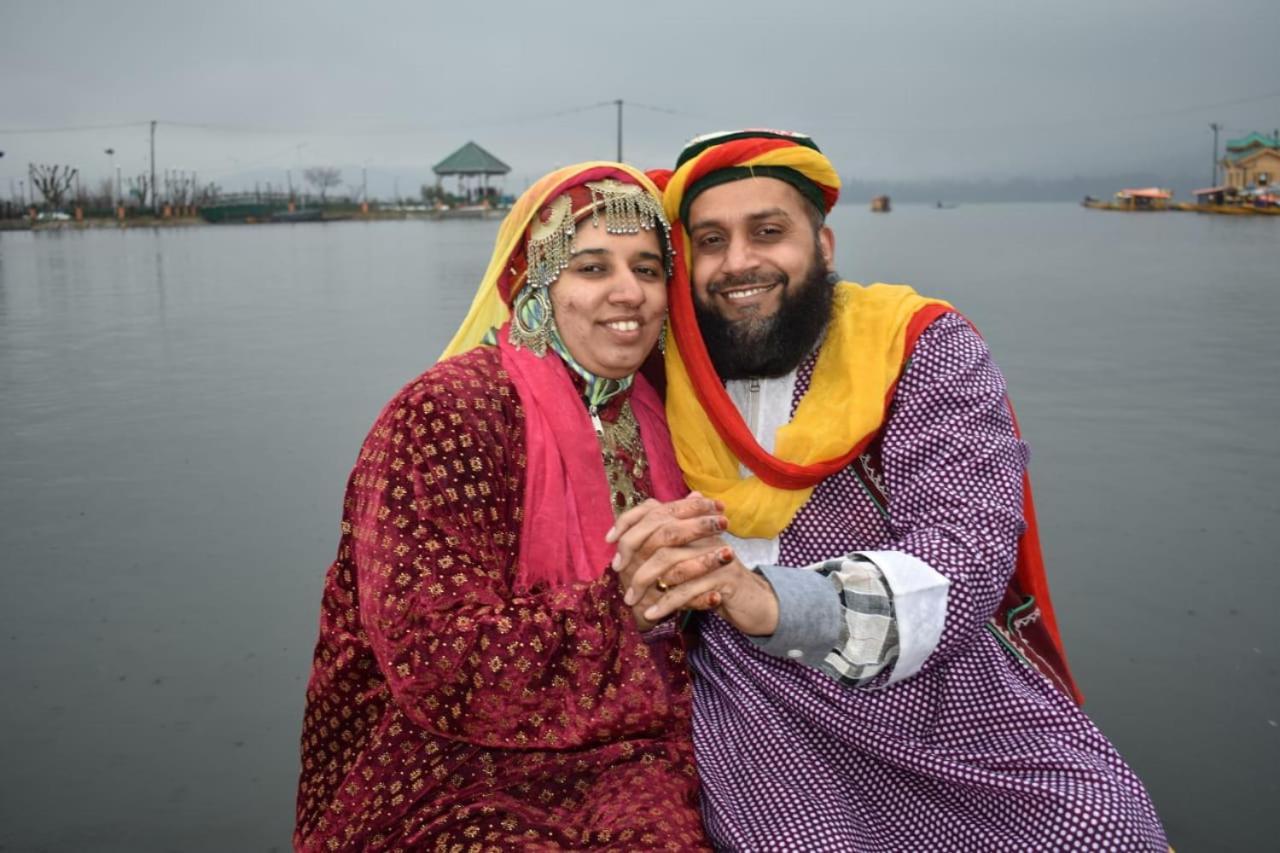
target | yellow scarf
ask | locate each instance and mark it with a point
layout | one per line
(858, 367)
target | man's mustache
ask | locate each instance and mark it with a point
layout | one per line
(751, 278)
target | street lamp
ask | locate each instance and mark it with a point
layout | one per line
(111, 152)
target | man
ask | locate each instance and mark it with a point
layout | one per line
(851, 689)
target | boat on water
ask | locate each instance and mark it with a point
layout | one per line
(881, 204)
(1144, 199)
(1222, 201)
(1230, 201)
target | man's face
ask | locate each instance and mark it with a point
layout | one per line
(758, 276)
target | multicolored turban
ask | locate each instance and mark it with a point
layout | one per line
(718, 158)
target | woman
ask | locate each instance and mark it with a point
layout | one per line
(479, 680)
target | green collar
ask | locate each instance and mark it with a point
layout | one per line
(598, 390)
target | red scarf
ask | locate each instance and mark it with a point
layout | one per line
(567, 505)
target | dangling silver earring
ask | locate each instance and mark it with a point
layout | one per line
(532, 320)
(662, 335)
(833, 278)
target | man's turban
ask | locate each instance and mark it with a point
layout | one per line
(718, 158)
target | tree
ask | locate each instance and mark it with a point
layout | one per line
(208, 194)
(432, 194)
(140, 188)
(323, 178)
(179, 187)
(53, 182)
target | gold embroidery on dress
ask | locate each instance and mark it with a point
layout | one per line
(624, 472)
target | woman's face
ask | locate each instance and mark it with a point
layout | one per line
(611, 300)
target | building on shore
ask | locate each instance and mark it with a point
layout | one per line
(472, 166)
(1252, 162)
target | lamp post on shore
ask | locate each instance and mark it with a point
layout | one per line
(155, 198)
(1215, 127)
(618, 103)
(111, 153)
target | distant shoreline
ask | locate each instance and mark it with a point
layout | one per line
(25, 224)
(87, 224)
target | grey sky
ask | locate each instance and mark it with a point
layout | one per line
(897, 90)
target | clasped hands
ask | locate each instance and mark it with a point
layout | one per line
(672, 556)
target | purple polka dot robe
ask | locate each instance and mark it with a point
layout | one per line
(975, 750)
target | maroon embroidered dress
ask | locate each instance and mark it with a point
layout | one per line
(446, 710)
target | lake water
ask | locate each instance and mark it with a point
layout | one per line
(179, 410)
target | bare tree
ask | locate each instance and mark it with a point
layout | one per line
(323, 178)
(179, 187)
(53, 182)
(208, 194)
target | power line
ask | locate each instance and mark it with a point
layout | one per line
(406, 129)
(391, 131)
(455, 126)
(73, 129)
(666, 110)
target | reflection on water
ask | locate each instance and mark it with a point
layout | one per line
(179, 410)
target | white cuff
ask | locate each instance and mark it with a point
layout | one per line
(919, 606)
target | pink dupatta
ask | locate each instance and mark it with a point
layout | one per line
(567, 505)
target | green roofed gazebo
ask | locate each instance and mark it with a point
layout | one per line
(469, 164)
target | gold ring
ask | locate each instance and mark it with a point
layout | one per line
(662, 585)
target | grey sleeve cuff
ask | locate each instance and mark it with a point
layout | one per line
(810, 618)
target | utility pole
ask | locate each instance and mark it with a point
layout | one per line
(155, 198)
(619, 103)
(1216, 127)
(364, 184)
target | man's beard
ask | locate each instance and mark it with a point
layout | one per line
(774, 345)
